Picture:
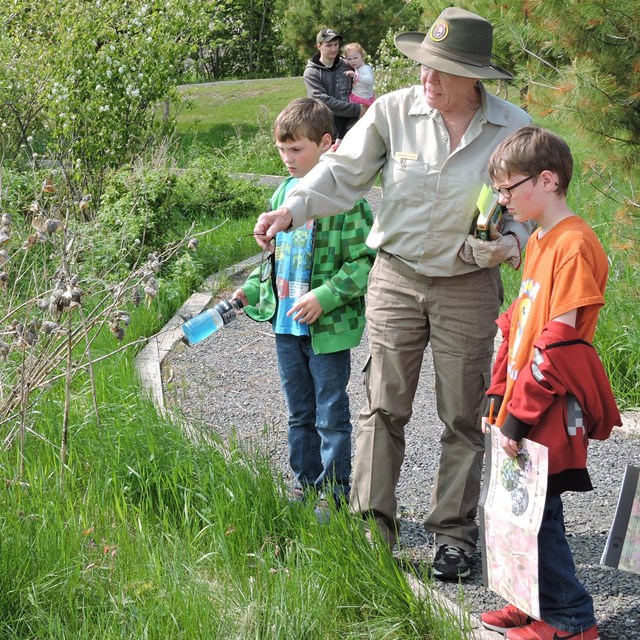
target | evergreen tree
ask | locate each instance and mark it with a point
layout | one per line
(581, 63)
(363, 22)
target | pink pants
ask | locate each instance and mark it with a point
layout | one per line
(367, 102)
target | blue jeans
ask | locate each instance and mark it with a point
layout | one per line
(315, 388)
(564, 602)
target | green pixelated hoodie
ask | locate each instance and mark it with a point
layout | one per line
(339, 275)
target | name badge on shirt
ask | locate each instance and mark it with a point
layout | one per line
(404, 155)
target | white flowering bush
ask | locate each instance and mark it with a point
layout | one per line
(81, 82)
(392, 69)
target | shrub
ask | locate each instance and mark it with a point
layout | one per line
(393, 70)
(149, 207)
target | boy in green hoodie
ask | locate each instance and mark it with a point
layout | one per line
(320, 272)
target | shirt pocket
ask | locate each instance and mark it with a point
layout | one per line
(408, 180)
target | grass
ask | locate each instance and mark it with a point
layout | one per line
(240, 108)
(154, 535)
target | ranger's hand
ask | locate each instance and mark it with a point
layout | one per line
(489, 253)
(269, 223)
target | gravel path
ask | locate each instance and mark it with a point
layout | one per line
(229, 383)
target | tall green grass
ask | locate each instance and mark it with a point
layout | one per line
(154, 535)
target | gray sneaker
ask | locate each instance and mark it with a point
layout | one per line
(297, 495)
(450, 563)
(322, 509)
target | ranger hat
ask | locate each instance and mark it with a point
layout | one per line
(459, 42)
(327, 35)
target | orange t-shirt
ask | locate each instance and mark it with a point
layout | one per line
(564, 269)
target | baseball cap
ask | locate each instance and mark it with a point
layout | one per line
(327, 35)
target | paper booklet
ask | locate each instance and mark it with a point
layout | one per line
(622, 550)
(511, 506)
(489, 212)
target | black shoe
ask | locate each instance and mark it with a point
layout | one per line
(450, 563)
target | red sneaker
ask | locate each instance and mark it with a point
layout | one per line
(508, 617)
(539, 630)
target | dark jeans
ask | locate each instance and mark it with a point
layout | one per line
(564, 602)
(315, 388)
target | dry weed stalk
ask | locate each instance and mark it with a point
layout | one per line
(49, 323)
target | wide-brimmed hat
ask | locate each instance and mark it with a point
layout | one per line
(459, 42)
(327, 35)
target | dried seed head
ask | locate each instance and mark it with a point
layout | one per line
(116, 330)
(5, 236)
(6, 220)
(136, 296)
(51, 225)
(154, 263)
(84, 201)
(122, 316)
(49, 327)
(38, 223)
(27, 337)
(30, 241)
(193, 244)
(47, 186)
(76, 294)
(150, 292)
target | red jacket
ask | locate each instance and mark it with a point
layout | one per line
(561, 400)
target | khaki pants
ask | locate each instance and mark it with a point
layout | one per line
(457, 316)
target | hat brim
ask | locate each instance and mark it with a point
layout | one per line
(410, 44)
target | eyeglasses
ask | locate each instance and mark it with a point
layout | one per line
(505, 192)
(266, 264)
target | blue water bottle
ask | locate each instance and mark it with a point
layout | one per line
(210, 320)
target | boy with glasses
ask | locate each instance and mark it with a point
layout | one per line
(548, 384)
(320, 272)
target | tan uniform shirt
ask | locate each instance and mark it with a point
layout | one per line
(429, 193)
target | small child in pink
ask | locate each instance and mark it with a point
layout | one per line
(362, 87)
(362, 74)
